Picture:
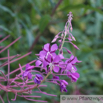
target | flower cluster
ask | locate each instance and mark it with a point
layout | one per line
(57, 64)
(50, 60)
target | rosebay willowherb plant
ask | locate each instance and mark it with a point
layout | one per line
(50, 60)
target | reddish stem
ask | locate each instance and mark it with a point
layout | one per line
(4, 38)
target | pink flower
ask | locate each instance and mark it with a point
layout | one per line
(73, 76)
(53, 62)
(38, 78)
(29, 67)
(27, 73)
(71, 62)
(63, 84)
(47, 50)
(71, 69)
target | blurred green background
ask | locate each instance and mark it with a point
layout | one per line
(38, 21)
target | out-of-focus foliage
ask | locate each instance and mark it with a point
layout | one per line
(32, 19)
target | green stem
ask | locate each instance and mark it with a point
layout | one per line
(62, 43)
(46, 77)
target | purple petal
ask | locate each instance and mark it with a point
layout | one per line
(39, 77)
(29, 75)
(47, 47)
(61, 56)
(62, 70)
(67, 61)
(53, 55)
(48, 59)
(63, 88)
(44, 64)
(31, 67)
(69, 66)
(70, 59)
(65, 82)
(74, 60)
(56, 69)
(38, 62)
(54, 47)
(27, 65)
(42, 54)
(25, 74)
(72, 56)
(36, 81)
(77, 61)
(73, 69)
(62, 64)
(57, 59)
(74, 76)
(55, 77)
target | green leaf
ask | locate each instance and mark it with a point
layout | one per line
(44, 22)
(29, 33)
(30, 37)
(98, 25)
(7, 10)
(5, 29)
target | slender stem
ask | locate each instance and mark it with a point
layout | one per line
(4, 38)
(46, 77)
(24, 90)
(19, 68)
(1, 99)
(8, 65)
(11, 57)
(10, 45)
(59, 2)
(62, 43)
